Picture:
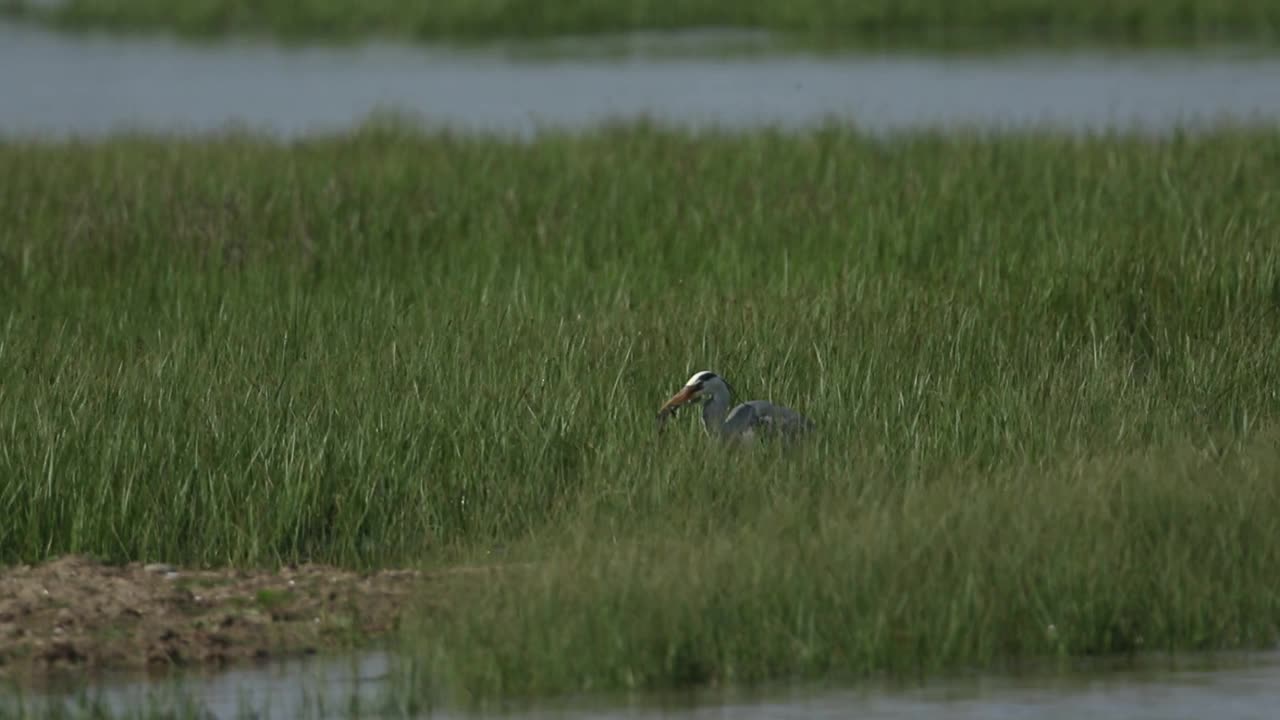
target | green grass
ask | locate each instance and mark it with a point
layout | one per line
(802, 573)
(1046, 372)
(870, 22)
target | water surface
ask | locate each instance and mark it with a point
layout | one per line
(56, 84)
(1239, 687)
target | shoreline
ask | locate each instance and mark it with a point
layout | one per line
(76, 614)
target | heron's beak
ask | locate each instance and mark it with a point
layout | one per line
(685, 395)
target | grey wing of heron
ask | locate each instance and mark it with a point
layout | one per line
(758, 417)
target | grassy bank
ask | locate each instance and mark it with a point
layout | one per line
(1045, 370)
(873, 22)
(793, 570)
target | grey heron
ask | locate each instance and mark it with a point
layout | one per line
(747, 421)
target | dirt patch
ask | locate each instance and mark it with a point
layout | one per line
(77, 614)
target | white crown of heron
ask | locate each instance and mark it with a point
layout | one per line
(700, 376)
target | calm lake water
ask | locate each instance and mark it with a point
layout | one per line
(57, 84)
(1237, 687)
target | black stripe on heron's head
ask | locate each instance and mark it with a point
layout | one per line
(699, 378)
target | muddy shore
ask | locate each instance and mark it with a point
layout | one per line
(74, 614)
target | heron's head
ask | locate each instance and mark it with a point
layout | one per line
(700, 388)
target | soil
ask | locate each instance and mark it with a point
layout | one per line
(76, 614)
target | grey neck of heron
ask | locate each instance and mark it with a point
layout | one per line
(715, 409)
